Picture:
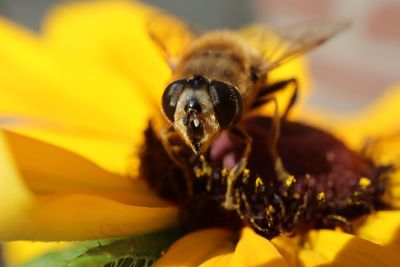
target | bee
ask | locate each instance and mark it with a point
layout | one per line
(221, 76)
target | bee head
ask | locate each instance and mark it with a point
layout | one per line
(199, 109)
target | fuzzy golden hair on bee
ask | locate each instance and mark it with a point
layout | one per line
(223, 48)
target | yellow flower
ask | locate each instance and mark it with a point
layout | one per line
(75, 101)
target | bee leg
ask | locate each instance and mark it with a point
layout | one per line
(173, 152)
(276, 87)
(280, 170)
(301, 210)
(293, 97)
(237, 170)
(281, 173)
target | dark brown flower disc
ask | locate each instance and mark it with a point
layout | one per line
(328, 185)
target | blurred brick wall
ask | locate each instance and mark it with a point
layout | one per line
(355, 67)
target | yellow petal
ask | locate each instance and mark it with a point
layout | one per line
(69, 102)
(47, 169)
(288, 248)
(220, 260)
(14, 195)
(255, 250)
(19, 252)
(59, 198)
(197, 247)
(22, 49)
(378, 120)
(112, 35)
(55, 217)
(381, 117)
(334, 248)
(382, 228)
(120, 156)
(311, 258)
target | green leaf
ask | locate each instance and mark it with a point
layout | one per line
(138, 251)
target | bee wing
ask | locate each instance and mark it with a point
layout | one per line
(280, 45)
(170, 34)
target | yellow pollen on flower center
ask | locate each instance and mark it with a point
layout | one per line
(246, 175)
(259, 183)
(205, 168)
(270, 209)
(321, 196)
(290, 181)
(364, 182)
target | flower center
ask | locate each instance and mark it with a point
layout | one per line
(328, 185)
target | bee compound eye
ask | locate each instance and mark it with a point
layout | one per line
(171, 96)
(227, 103)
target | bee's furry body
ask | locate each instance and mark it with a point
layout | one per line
(219, 74)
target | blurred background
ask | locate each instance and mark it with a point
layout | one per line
(348, 72)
